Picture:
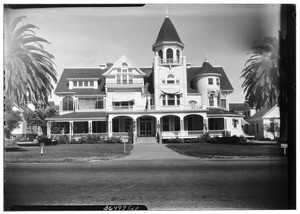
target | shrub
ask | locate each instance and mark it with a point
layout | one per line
(227, 140)
(173, 140)
(8, 143)
(62, 139)
(113, 140)
(45, 140)
(205, 136)
(194, 140)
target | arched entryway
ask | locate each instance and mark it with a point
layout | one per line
(121, 124)
(146, 126)
(193, 123)
(170, 123)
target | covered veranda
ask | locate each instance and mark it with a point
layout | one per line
(77, 124)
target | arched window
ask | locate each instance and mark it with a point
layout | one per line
(169, 54)
(160, 54)
(124, 65)
(178, 55)
(170, 79)
(68, 104)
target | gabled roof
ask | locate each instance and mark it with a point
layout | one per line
(63, 83)
(85, 74)
(167, 33)
(239, 106)
(262, 112)
(121, 60)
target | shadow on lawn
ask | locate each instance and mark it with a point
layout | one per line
(15, 149)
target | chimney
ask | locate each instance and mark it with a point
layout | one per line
(109, 65)
(103, 66)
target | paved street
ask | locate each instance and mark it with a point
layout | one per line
(191, 184)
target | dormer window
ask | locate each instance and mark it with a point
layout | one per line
(84, 83)
(210, 81)
(122, 76)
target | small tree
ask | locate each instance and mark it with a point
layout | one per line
(12, 119)
(39, 117)
(273, 128)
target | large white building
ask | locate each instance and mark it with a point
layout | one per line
(170, 97)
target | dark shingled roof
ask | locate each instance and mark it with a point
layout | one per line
(207, 68)
(79, 115)
(214, 111)
(225, 84)
(63, 84)
(239, 106)
(167, 33)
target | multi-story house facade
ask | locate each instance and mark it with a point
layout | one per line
(170, 97)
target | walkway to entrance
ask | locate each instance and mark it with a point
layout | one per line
(154, 151)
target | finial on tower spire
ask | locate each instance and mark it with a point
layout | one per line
(167, 14)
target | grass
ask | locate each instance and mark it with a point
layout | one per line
(208, 150)
(66, 153)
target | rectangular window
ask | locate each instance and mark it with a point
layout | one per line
(177, 123)
(86, 83)
(99, 104)
(234, 122)
(171, 100)
(165, 123)
(177, 81)
(75, 83)
(118, 79)
(170, 81)
(130, 79)
(115, 125)
(253, 128)
(124, 70)
(127, 124)
(124, 79)
(91, 83)
(219, 100)
(223, 103)
(256, 127)
(218, 81)
(210, 81)
(80, 83)
(163, 81)
(178, 99)
(211, 100)
(164, 99)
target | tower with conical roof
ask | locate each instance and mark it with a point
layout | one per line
(169, 67)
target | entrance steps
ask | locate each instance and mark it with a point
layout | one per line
(146, 140)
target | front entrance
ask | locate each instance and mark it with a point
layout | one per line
(146, 126)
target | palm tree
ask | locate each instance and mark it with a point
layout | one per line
(28, 68)
(265, 78)
(39, 117)
(262, 73)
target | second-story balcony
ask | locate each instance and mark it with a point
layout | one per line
(170, 61)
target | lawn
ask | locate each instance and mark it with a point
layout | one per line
(66, 153)
(208, 150)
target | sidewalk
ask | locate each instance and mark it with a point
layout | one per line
(154, 151)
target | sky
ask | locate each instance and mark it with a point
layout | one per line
(88, 37)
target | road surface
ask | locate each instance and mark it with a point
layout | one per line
(158, 184)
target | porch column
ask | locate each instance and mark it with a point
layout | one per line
(134, 123)
(225, 124)
(205, 125)
(90, 125)
(71, 124)
(48, 129)
(109, 127)
(181, 127)
(149, 103)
